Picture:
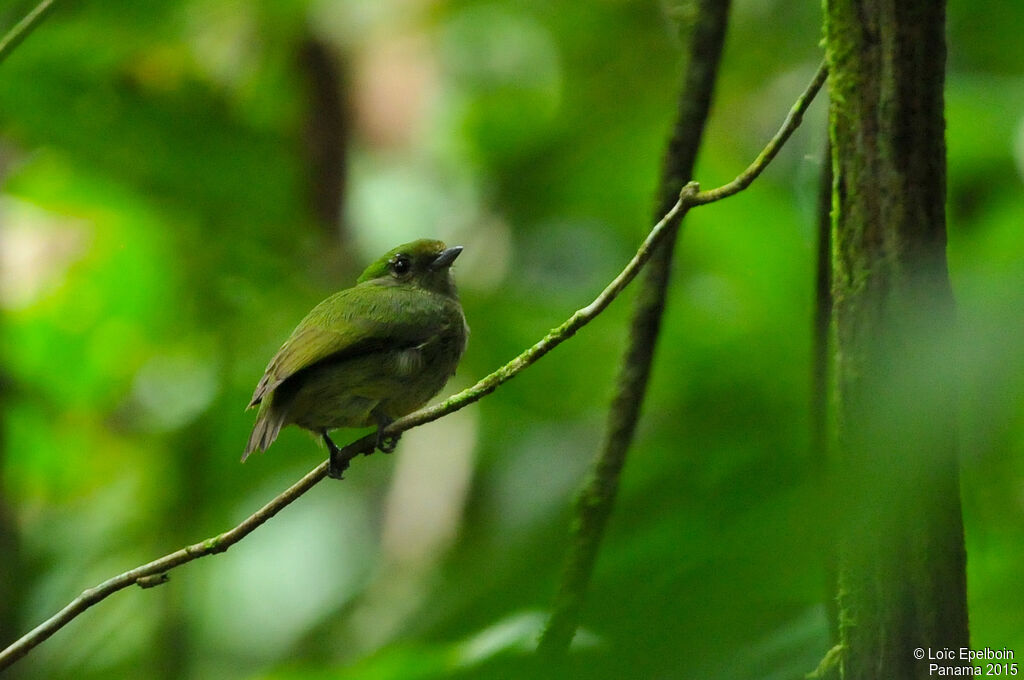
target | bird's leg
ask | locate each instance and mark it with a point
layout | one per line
(385, 444)
(336, 465)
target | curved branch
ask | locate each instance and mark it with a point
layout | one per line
(144, 575)
(706, 36)
(21, 29)
(154, 573)
(792, 122)
(689, 197)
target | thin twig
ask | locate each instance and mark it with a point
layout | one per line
(21, 29)
(690, 196)
(705, 36)
(792, 122)
(143, 574)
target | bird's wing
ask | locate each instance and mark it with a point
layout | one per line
(347, 325)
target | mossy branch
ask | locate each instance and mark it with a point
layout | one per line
(143, 575)
(21, 29)
(598, 495)
(829, 667)
(705, 36)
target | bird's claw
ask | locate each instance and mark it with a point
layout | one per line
(336, 467)
(336, 464)
(387, 443)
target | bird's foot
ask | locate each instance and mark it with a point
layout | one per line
(387, 443)
(336, 464)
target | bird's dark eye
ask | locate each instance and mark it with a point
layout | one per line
(401, 265)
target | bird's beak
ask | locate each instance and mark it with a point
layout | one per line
(446, 257)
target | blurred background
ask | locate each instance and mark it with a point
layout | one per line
(182, 181)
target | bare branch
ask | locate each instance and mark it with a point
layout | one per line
(690, 196)
(144, 575)
(21, 29)
(705, 36)
(792, 122)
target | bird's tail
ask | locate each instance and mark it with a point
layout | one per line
(269, 422)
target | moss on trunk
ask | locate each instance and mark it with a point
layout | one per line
(902, 565)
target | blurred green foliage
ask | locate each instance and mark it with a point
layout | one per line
(158, 243)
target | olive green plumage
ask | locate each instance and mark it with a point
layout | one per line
(367, 354)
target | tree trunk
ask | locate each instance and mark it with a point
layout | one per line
(902, 559)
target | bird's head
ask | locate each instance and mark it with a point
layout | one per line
(422, 264)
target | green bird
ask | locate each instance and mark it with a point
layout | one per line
(368, 354)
